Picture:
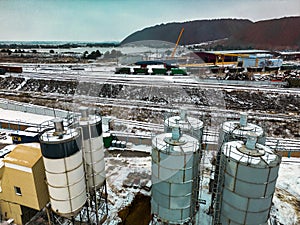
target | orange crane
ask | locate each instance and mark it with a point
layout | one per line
(178, 39)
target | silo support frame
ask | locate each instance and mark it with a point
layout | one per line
(56, 219)
(96, 208)
(100, 203)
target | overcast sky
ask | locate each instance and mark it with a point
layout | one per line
(113, 20)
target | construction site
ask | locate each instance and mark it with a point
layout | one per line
(81, 171)
(148, 139)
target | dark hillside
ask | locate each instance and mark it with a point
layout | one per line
(195, 31)
(270, 34)
(273, 34)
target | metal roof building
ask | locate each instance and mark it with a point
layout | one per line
(22, 182)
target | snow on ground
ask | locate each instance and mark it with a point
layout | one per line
(286, 209)
(283, 211)
(289, 176)
(22, 117)
(141, 148)
(125, 178)
(22, 84)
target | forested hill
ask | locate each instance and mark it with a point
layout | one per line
(236, 33)
(274, 34)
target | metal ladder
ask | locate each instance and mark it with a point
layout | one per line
(218, 190)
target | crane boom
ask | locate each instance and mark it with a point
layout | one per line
(178, 39)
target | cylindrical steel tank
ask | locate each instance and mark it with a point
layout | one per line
(62, 156)
(231, 131)
(237, 130)
(93, 146)
(249, 175)
(175, 188)
(187, 124)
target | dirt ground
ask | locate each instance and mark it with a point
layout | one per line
(138, 212)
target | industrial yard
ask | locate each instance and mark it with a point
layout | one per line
(137, 116)
(128, 172)
(150, 112)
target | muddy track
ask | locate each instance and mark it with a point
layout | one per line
(287, 197)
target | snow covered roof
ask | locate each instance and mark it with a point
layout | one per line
(24, 155)
(91, 120)
(188, 144)
(24, 133)
(22, 117)
(261, 157)
(68, 134)
(247, 51)
(189, 123)
(289, 53)
(235, 128)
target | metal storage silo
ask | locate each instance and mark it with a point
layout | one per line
(175, 188)
(187, 124)
(237, 130)
(62, 156)
(231, 131)
(249, 173)
(93, 146)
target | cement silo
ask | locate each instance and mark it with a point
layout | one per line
(231, 131)
(62, 156)
(249, 173)
(175, 188)
(237, 130)
(91, 126)
(187, 124)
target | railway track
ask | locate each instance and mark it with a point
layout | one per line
(177, 82)
(158, 81)
(211, 136)
(283, 146)
(215, 112)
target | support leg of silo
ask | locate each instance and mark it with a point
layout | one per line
(88, 212)
(80, 216)
(96, 208)
(48, 215)
(106, 202)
